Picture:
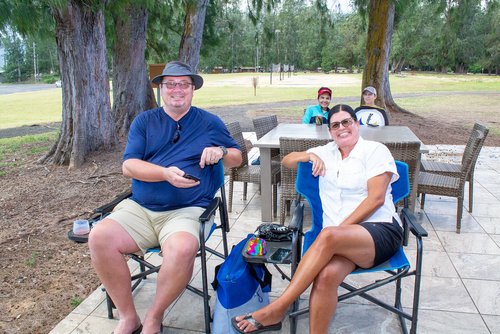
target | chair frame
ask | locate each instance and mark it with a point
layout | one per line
(453, 186)
(410, 224)
(146, 268)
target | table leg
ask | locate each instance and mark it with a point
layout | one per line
(266, 191)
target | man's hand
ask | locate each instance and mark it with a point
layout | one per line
(211, 156)
(175, 177)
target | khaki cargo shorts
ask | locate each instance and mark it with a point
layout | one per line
(151, 228)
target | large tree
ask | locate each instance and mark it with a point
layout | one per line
(378, 46)
(194, 21)
(78, 25)
(132, 92)
(87, 124)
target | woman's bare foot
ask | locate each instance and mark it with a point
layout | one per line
(264, 316)
(151, 324)
(127, 326)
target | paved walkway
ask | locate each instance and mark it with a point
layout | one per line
(461, 277)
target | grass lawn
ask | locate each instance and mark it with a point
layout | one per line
(230, 89)
(29, 108)
(24, 148)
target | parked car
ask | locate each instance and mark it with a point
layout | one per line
(58, 84)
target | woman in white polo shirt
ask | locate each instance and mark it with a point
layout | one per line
(360, 224)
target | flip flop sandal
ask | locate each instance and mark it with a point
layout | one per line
(259, 327)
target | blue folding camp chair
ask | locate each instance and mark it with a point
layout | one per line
(396, 268)
(206, 219)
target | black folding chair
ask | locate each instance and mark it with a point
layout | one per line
(206, 219)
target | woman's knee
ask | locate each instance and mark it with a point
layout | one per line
(328, 237)
(329, 278)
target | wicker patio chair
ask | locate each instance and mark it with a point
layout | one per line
(288, 176)
(452, 186)
(452, 169)
(248, 173)
(262, 126)
(409, 153)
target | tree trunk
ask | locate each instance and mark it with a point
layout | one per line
(192, 36)
(460, 69)
(87, 124)
(378, 47)
(132, 91)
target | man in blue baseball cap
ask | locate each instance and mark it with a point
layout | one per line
(164, 145)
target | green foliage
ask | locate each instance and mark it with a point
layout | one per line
(446, 35)
(32, 260)
(49, 78)
(456, 35)
(16, 68)
(23, 146)
(165, 23)
(27, 34)
(23, 143)
(75, 301)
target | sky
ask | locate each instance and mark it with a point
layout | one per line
(345, 5)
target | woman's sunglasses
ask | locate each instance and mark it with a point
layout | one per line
(345, 123)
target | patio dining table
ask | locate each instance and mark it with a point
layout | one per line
(271, 140)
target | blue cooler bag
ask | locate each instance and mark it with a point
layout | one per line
(241, 288)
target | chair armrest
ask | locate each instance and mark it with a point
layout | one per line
(106, 208)
(210, 210)
(411, 220)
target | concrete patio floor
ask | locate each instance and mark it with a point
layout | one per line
(460, 290)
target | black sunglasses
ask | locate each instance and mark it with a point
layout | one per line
(177, 134)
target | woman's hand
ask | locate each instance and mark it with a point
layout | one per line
(292, 159)
(318, 166)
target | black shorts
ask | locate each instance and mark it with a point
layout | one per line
(388, 237)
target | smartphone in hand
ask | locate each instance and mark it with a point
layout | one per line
(191, 177)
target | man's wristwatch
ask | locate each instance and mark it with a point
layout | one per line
(224, 150)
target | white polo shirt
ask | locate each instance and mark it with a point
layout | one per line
(345, 184)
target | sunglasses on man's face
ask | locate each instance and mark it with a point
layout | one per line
(173, 84)
(345, 123)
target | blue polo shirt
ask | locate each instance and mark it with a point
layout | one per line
(151, 139)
